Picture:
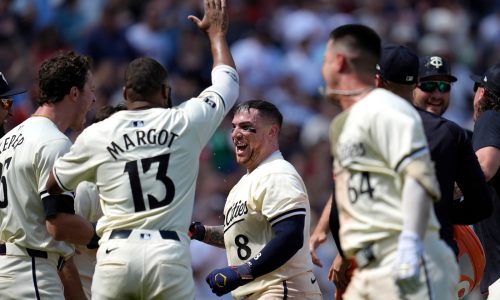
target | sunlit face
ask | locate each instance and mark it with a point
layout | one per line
(433, 95)
(250, 136)
(86, 98)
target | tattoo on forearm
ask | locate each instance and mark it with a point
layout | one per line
(214, 235)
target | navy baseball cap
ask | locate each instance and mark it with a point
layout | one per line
(6, 90)
(434, 66)
(490, 80)
(398, 64)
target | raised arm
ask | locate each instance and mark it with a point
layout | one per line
(215, 24)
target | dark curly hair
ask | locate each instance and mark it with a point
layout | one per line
(57, 75)
(143, 78)
(489, 101)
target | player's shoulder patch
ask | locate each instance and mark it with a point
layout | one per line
(210, 100)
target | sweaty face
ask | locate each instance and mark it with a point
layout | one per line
(249, 136)
(432, 95)
(85, 100)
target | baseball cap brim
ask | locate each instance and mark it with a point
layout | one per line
(12, 92)
(476, 78)
(451, 78)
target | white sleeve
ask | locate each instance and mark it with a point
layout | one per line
(226, 83)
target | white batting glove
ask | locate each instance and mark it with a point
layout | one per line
(406, 270)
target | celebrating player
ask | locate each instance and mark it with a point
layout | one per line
(385, 181)
(266, 217)
(486, 143)
(145, 162)
(6, 93)
(34, 224)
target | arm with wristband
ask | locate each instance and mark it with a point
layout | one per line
(288, 239)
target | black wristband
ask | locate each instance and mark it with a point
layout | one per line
(197, 231)
(94, 242)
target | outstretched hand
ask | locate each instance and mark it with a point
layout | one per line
(215, 21)
(316, 239)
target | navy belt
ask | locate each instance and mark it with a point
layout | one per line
(31, 252)
(35, 253)
(125, 233)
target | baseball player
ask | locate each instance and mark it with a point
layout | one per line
(486, 143)
(144, 161)
(434, 84)
(6, 93)
(385, 181)
(266, 217)
(34, 224)
(450, 147)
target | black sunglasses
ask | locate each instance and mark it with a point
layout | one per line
(430, 86)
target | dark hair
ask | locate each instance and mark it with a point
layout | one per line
(362, 44)
(143, 78)
(107, 110)
(57, 75)
(266, 109)
(489, 101)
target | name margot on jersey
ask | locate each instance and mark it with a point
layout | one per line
(139, 138)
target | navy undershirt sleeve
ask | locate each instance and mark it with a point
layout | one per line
(288, 239)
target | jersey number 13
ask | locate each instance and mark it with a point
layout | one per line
(132, 169)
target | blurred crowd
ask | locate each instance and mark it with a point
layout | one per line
(278, 49)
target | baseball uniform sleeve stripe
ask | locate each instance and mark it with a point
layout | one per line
(293, 212)
(59, 181)
(404, 160)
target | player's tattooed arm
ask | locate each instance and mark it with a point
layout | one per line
(214, 235)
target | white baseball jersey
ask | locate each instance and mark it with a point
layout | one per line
(270, 193)
(27, 154)
(87, 205)
(371, 155)
(145, 162)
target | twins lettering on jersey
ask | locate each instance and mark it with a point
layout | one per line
(235, 214)
(139, 138)
(11, 142)
(349, 150)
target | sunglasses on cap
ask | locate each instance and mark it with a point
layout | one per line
(430, 86)
(7, 103)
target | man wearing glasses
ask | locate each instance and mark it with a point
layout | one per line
(434, 84)
(6, 93)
